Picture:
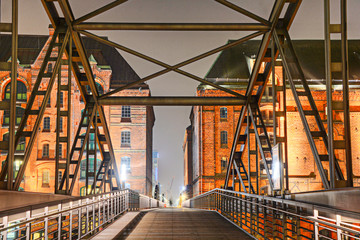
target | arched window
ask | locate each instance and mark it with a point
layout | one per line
(125, 139)
(19, 114)
(223, 113)
(91, 167)
(21, 92)
(46, 178)
(125, 161)
(46, 127)
(45, 151)
(224, 138)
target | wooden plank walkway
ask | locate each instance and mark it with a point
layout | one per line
(182, 223)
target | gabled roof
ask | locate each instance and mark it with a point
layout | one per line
(232, 63)
(29, 47)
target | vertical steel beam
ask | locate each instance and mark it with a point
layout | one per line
(345, 79)
(329, 93)
(69, 120)
(58, 116)
(12, 124)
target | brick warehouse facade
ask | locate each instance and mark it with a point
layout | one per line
(212, 128)
(130, 127)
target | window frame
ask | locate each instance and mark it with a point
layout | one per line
(45, 149)
(127, 161)
(223, 114)
(224, 139)
(46, 123)
(45, 180)
(125, 139)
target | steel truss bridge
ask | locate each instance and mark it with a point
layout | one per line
(244, 205)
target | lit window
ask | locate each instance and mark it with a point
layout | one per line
(224, 138)
(223, 163)
(125, 139)
(125, 111)
(45, 178)
(19, 114)
(45, 151)
(223, 113)
(46, 124)
(126, 161)
(91, 167)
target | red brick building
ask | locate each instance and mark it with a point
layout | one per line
(212, 128)
(130, 126)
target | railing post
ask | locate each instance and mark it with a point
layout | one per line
(316, 225)
(46, 221)
(79, 214)
(59, 221)
(87, 216)
(70, 220)
(94, 214)
(338, 223)
(28, 225)
(99, 216)
(5, 223)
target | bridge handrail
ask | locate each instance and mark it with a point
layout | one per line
(103, 208)
(313, 219)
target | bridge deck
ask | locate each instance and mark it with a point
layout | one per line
(175, 223)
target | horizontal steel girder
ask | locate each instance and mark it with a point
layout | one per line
(172, 26)
(173, 101)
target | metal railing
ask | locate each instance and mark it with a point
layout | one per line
(273, 218)
(74, 219)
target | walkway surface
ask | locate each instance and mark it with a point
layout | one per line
(182, 223)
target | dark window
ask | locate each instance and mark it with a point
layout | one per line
(224, 138)
(21, 92)
(223, 164)
(49, 68)
(45, 151)
(125, 161)
(61, 124)
(126, 112)
(48, 104)
(46, 127)
(59, 176)
(19, 114)
(223, 113)
(61, 100)
(125, 139)
(60, 150)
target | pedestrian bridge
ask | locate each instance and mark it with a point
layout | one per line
(218, 214)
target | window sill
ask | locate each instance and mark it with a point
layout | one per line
(224, 146)
(46, 130)
(45, 186)
(125, 145)
(123, 119)
(223, 119)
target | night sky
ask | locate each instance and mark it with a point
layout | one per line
(174, 47)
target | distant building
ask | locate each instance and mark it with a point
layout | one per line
(212, 128)
(155, 168)
(130, 127)
(188, 163)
